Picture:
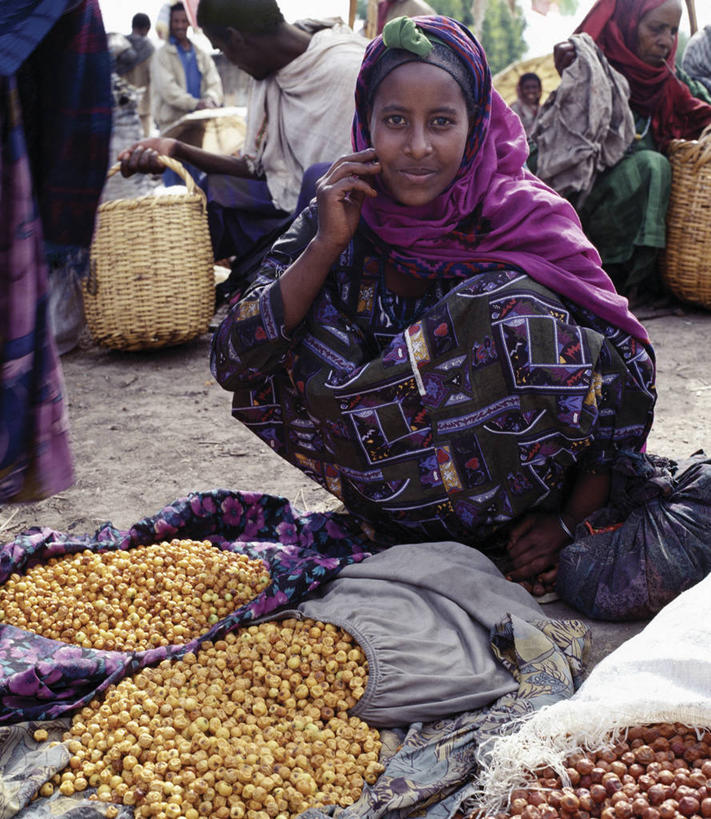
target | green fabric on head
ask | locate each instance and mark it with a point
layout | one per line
(403, 33)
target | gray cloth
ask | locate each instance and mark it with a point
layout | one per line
(423, 614)
(586, 124)
(697, 57)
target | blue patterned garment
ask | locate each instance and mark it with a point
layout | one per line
(445, 417)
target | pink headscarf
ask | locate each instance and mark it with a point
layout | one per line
(519, 221)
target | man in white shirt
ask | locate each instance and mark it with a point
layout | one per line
(300, 112)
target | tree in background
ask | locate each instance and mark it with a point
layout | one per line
(458, 9)
(501, 31)
(681, 47)
(502, 34)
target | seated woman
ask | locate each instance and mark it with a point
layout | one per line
(625, 214)
(434, 340)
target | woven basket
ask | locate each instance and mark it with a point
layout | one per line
(151, 278)
(685, 265)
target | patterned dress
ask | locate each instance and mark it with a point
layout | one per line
(443, 417)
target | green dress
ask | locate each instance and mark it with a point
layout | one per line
(625, 214)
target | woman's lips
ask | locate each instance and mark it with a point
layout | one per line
(417, 175)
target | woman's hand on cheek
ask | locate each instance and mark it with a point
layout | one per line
(534, 545)
(340, 194)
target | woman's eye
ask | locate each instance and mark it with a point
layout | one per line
(441, 122)
(395, 119)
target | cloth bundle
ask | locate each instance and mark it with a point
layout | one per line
(632, 558)
(585, 125)
(660, 675)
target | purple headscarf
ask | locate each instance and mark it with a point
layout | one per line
(495, 211)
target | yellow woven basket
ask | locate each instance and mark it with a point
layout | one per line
(151, 279)
(685, 264)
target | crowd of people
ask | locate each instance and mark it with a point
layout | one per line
(416, 320)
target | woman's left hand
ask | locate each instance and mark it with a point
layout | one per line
(534, 545)
(340, 194)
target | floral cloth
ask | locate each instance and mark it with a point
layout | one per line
(41, 678)
(430, 769)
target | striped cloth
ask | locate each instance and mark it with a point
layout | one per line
(23, 26)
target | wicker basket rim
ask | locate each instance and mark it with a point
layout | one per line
(696, 151)
(194, 193)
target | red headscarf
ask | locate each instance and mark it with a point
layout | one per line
(384, 7)
(654, 91)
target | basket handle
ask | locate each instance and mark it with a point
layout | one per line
(174, 165)
(697, 151)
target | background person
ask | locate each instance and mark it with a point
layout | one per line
(527, 104)
(299, 114)
(697, 57)
(134, 65)
(184, 77)
(434, 340)
(625, 213)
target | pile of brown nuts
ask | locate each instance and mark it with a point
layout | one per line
(659, 771)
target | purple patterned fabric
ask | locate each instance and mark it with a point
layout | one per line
(65, 88)
(35, 459)
(495, 210)
(41, 678)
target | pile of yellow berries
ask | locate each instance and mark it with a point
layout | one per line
(254, 726)
(148, 596)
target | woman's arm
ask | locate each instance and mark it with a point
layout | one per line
(142, 157)
(256, 336)
(535, 542)
(340, 195)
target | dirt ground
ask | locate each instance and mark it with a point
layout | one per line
(149, 427)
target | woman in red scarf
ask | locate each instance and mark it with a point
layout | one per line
(625, 215)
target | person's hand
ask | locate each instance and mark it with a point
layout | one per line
(340, 194)
(540, 584)
(205, 103)
(563, 55)
(143, 156)
(534, 545)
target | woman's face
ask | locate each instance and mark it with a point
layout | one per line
(419, 127)
(657, 31)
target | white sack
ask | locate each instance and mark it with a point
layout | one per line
(661, 675)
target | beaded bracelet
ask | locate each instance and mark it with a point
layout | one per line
(564, 527)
